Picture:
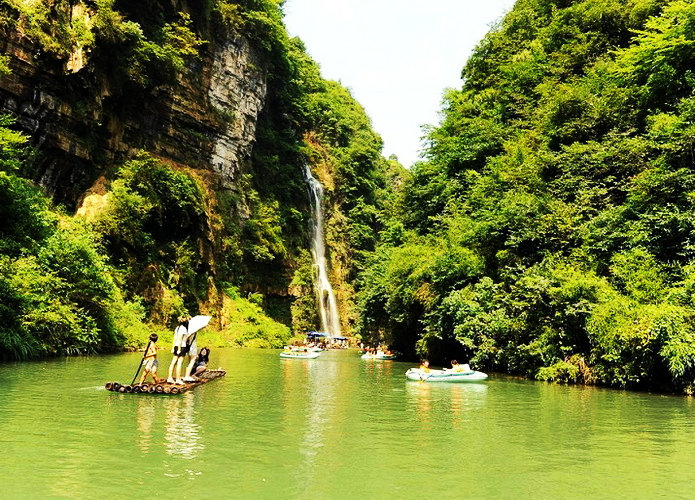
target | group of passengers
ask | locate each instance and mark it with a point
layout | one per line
(184, 345)
(378, 350)
(455, 367)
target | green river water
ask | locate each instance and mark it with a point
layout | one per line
(333, 427)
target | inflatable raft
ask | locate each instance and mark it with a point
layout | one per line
(367, 355)
(164, 387)
(299, 354)
(444, 376)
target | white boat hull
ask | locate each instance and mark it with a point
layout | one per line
(444, 376)
(378, 356)
(303, 355)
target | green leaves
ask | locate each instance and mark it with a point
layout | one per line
(153, 226)
(27, 220)
(554, 211)
(12, 144)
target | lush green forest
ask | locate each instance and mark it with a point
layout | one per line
(167, 238)
(549, 231)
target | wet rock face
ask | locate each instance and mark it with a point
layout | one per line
(237, 93)
(81, 125)
(35, 95)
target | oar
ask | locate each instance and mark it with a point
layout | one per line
(141, 362)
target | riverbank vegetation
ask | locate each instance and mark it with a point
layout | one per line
(58, 293)
(64, 282)
(549, 231)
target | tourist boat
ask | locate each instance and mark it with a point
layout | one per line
(300, 354)
(378, 355)
(165, 387)
(420, 375)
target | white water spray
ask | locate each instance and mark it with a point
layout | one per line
(328, 307)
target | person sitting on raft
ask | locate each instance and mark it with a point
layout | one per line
(457, 368)
(201, 362)
(178, 350)
(151, 363)
(425, 366)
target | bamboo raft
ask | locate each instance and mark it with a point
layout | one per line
(164, 387)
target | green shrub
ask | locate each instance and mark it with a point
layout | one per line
(248, 324)
(562, 371)
(27, 220)
(152, 226)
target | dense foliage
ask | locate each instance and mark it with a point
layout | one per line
(549, 231)
(150, 226)
(58, 294)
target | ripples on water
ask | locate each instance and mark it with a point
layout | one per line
(334, 427)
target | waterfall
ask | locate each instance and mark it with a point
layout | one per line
(328, 307)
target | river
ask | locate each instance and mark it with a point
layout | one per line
(333, 427)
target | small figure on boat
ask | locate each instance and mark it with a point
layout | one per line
(183, 345)
(380, 353)
(151, 363)
(201, 362)
(179, 350)
(456, 367)
(300, 352)
(425, 366)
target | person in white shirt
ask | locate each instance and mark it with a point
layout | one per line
(191, 349)
(178, 350)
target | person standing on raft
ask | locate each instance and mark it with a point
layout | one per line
(190, 348)
(178, 350)
(150, 361)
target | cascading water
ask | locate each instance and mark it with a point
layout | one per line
(328, 307)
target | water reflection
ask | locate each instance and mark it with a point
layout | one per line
(310, 396)
(145, 416)
(378, 368)
(182, 432)
(323, 381)
(374, 435)
(444, 401)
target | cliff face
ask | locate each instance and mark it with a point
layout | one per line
(207, 120)
(237, 92)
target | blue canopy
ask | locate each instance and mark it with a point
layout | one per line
(316, 334)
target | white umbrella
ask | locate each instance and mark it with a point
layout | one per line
(197, 322)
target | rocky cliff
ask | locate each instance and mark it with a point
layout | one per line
(82, 124)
